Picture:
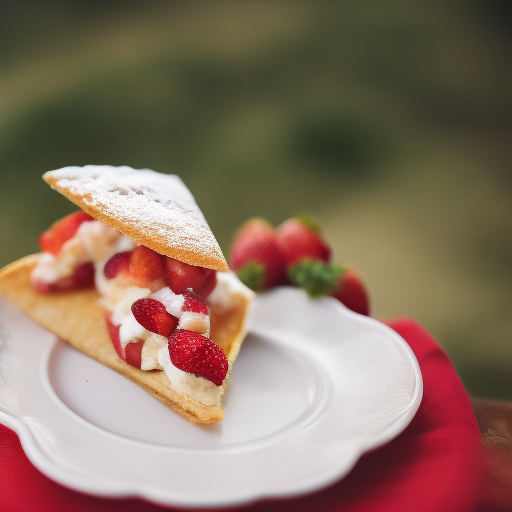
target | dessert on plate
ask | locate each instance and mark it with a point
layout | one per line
(136, 280)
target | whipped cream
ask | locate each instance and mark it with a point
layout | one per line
(188, 320)
(172, 302)
(149, 357)
(228, 292)
(195, 322)
(122, 315)
(130, 331)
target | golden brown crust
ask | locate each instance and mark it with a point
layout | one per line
(153, 209)
(76, 317)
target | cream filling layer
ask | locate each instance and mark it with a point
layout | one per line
(228, 293)
(93, 241)
(96, 242)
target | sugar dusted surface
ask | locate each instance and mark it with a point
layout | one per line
(154, 209)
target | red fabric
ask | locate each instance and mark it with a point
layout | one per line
(435, 465)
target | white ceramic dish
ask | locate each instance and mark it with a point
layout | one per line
(315, 387)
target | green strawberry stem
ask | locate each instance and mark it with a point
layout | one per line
(310, 223)
(315, 277)
(252, 274)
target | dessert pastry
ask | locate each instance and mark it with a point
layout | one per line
(137, 281)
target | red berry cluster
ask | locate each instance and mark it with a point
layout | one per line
(146, 268)
(189, 351)
(294, 253)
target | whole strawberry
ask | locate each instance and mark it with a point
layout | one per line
(318, 278)
(299, 238)
(351, 292)
(256, 256)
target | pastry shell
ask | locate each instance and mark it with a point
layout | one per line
(153, 209)
(78, 318)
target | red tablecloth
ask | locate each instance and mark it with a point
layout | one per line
(436, 465)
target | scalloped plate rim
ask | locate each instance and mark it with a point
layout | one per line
(59, 474)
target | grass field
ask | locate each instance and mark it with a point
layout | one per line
(388, 121)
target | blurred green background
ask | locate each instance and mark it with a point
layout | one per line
(389, 121)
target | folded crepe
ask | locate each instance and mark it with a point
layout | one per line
(152, 209)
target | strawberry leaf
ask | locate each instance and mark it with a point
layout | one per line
(310, 223)
(316, 277)
(252, 274)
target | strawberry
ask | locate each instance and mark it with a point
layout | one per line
(300, 238)
(117, 264)
(208, 285)
(351, 292)
(194, 304)
(256, 256)
(152, 315)
(82, 277)
(146, 265)
(195, 314)
(141, 267)
(181, 276)
(194, 353)
(61, 231)
(113, 330)
(134, 353)
(318, 278)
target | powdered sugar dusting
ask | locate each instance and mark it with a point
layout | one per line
(142, 204)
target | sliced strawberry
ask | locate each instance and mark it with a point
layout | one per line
(134, 353)
(146, 265)
(82, 277)
(351, 292)
(195, 314)
(181, 276)
(113, 330)
(194, 353)
(194, 304)
(61, 231)
(300, 238)
(41, 286)
(256, 256)
(140, 267)
(118, 264)
(152, 315)
(209, 284)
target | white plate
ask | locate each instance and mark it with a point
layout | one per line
(315, 387)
